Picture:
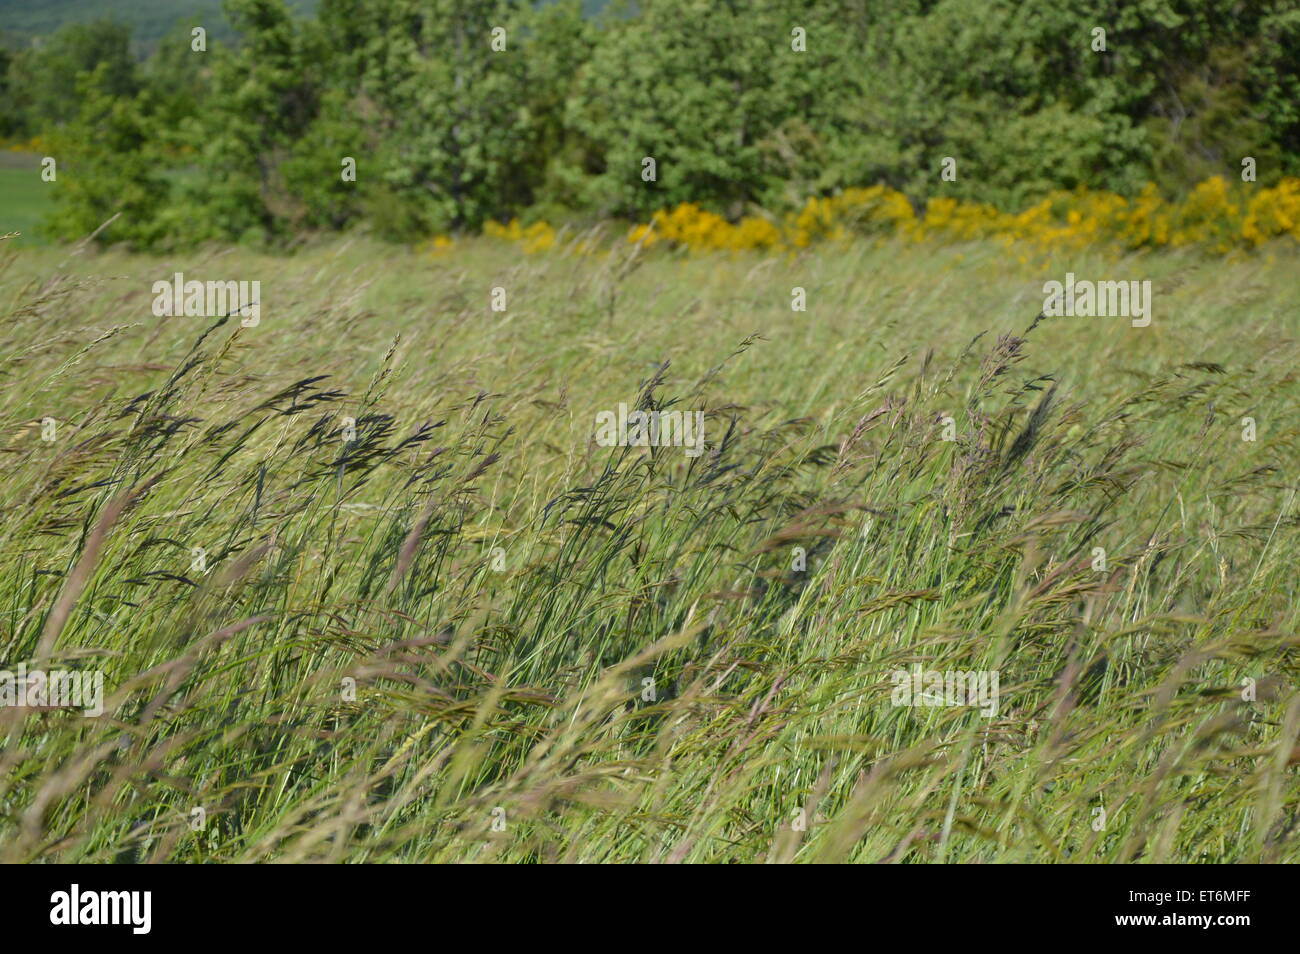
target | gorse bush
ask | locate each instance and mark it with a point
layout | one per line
(1215, 217)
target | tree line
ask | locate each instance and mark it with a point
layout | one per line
(458, 111)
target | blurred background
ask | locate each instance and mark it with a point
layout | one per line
(243, 141)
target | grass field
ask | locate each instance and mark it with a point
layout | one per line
(24, 199)
(569, 652)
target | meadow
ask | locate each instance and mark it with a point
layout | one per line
(473, 634)
(22, 196)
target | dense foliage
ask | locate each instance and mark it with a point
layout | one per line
(764, 103)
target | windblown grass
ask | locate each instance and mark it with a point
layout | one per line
(513, 699)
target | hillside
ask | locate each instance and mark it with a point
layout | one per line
(149, 19)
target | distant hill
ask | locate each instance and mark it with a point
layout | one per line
(149, 20)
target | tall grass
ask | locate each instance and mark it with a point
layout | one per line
(649, 677)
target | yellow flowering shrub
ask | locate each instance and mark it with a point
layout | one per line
(437, 246)
(1217, 215)
(537, 237)
(37, 144)
(695, 228)
(1273, 212)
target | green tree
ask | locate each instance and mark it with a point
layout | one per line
(454, 139)
(691, 84)
(10, 119)
(106, 168)
(179, 81)
(264, 96)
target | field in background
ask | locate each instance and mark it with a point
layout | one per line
(563, 651)
(24, 199)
